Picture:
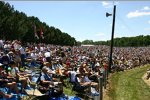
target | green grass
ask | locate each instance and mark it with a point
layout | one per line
(68, 89)
(69, 92)
(129, 85)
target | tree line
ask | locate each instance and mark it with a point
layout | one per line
(137, 41)
(17, 25)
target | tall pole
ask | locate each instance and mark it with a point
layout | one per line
(112, 38)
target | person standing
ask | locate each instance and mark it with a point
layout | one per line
(23, 55)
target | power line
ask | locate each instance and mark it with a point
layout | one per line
(124, 23)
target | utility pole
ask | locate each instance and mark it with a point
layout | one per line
(112, 37)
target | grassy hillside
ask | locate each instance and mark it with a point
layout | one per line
(129, 85)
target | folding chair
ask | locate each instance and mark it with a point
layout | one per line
(33, 91)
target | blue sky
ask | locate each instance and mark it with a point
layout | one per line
(87, 20)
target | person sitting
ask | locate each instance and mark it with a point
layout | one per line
(5, 59)
(50, 71)
(73, 75)
(20, 77)
(46, 81)
(79, 85)
(8, 96)
(87, 80)
(8, 82)
(82, 68)
(95, 74)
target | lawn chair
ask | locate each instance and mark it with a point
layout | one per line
(82, 91)
(4, 90)
(33, 91)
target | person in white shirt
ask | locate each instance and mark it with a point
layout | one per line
(41, 48)
(73, 75)
(34, 57)
(47, 55)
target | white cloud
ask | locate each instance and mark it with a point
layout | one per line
(108, 4)
(137, 14)
(146, 8)
(149, 21)
(99, 34)
(105, 3)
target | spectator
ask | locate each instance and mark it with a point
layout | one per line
(7, 96)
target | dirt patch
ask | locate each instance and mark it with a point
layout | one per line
(145, 80)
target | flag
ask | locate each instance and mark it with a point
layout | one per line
(41, 34)
(35, 32)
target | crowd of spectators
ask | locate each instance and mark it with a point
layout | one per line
(82, 64)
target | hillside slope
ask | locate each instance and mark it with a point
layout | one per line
(129, 85)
